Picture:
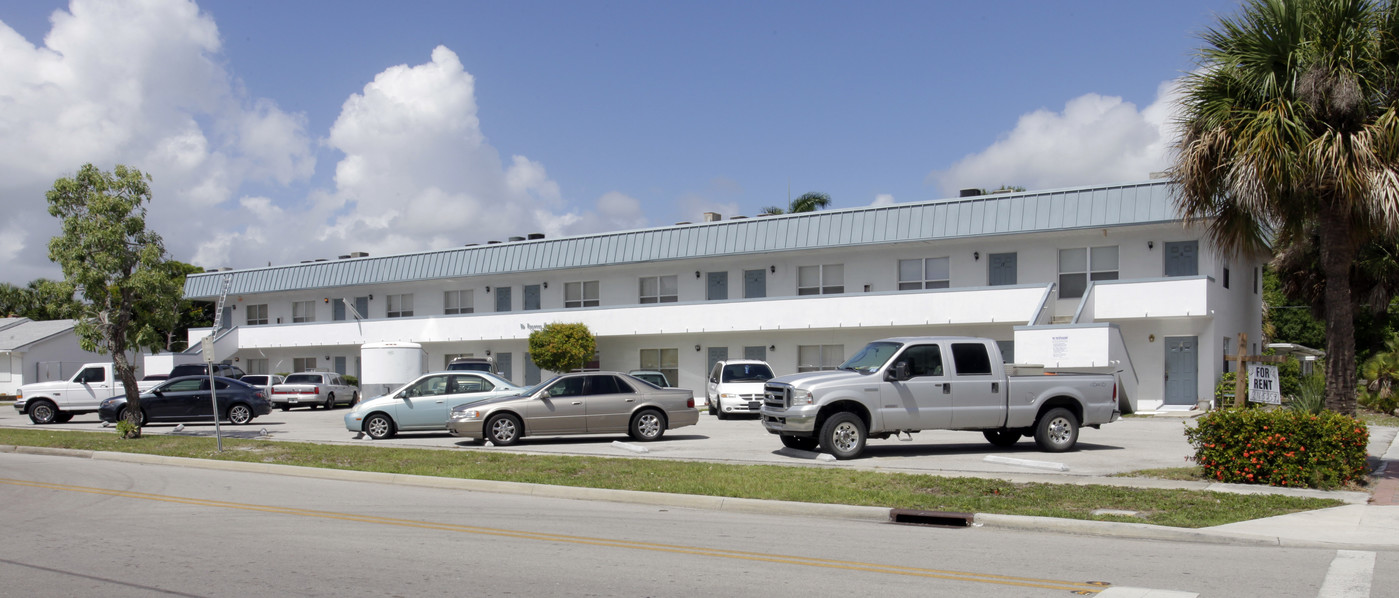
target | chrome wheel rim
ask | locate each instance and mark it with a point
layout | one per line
(378, 427)
(503, 430)
(845, 437)
(1059, 430)
(649, 425)
(43, 412)
(239, 414)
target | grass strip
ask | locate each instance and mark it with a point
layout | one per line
(1169, 507)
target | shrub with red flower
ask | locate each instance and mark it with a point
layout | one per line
(1257, 446)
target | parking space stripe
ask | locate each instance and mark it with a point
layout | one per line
(1349, 575)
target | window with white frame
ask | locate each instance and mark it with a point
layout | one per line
(1081, 265)
(303, 311)
(400, 306)
(303, 364)
(458, 302)
(660, 289)
(811, 358)
(255, 366)
(926, 273)
(580, 294)
(665, 361)
(257, 314)
(827, 279)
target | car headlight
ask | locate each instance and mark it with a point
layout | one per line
(466, 414)
(728, 395)
(802, 397)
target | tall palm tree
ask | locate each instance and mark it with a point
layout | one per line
(1291, 122)
(808, 202)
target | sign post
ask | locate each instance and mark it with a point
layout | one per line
(207, 346)
(1242, 360)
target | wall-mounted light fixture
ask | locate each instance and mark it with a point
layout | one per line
(696, 347)
(235, 360)
(546, 284)
(696, 273)
(488, 289)
(325, 300)
(772, 347)
(772, 269)
(488, 352)
(327, 358)
(976, 255)
(1150, 245)
(371, 296)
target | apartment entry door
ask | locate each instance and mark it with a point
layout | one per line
(1182, 371)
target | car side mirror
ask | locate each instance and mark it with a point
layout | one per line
(157, 393)
(544, 395)
(898, 373)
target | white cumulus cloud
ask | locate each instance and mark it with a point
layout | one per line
(1094, 139)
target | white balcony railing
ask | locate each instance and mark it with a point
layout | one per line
(1175, 297)
(1015, 305)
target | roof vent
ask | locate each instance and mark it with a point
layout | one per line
(712, 217)
(306, 261)
(225, 269)
(738, 218)
(359, 254)
(536, 236)
(681, 223)
(492, 242)
(471, 244)
(343, 257)
(516, 239)
(970, 193)
(320, 259)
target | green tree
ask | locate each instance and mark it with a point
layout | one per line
(191, 314)
(808, 202)
(1291, 123)
(116, 264)
(41, 299)
(1381, 376)
(560, 347)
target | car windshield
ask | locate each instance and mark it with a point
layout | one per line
(747, 372)
(872, 357)
(303, 379)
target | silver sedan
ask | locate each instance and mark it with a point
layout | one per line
(579, 403)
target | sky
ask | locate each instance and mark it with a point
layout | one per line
(276, 131)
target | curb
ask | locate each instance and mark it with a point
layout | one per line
(752, 506)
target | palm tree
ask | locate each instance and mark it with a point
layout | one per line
(1291, 123)
(808, 202)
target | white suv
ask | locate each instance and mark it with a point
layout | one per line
(736, 386)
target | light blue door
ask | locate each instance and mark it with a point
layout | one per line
(1002, 269)
(502, 298)
(755, 283)
(1182, 370)
(1181, 258)
(718, 287)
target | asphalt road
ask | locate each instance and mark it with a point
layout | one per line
(78, 527)
(1126, 445)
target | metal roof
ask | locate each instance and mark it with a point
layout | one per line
(985, 215)
(18, 336)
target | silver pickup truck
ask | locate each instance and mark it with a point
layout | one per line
(910, 384)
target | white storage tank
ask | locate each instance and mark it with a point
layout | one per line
(387, 366)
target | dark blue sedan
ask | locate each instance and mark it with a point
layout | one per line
(188, 398)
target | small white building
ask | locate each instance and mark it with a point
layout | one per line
(39, 351)
(1103, 278)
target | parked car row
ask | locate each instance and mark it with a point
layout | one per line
(191, 398)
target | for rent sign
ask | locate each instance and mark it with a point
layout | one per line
(1263, 384)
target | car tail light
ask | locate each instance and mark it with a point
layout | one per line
(690, 404)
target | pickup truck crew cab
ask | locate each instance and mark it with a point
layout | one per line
(910, 384)
(60, 400)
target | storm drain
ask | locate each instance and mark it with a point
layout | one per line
(930, 518)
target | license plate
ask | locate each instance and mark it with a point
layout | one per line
(291, 400)
(755, 405)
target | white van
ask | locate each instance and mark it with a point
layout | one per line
(736, 386)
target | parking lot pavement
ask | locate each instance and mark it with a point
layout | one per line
(1123, 446)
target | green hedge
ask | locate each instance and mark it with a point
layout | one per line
(1280, 447)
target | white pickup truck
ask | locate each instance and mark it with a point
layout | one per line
(313, 389)
(60, 400)
(910, 384)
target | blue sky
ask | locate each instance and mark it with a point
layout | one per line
(281, 131)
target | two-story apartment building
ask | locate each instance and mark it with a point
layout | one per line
(1106, 278)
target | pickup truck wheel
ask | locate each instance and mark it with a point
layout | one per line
(648, 425)
(1057, 431)
(503, 429)
(42, 412)
(1002, 438)
(843, 435)
(240, 414)
(799, 442)
(330, 401)
(379, 426)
